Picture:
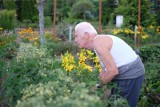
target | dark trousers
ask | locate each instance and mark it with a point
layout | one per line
(129, 89)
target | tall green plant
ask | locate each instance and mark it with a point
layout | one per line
(8, 19)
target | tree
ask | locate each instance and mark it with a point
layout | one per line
(48, 8)
(28, 9)
(100, 16)
(129, 9)
(9, 4)
(107, 10)
(18, 9)
(54, 19)
(63, 7)
(40, 7)
(81, 8)
(1, 4)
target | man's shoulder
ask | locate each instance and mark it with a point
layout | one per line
(102, 41)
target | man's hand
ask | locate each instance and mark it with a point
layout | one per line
(101, 73)
(102, 77)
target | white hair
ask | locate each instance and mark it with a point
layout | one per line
(83, 27)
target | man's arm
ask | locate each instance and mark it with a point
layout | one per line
(102, 47)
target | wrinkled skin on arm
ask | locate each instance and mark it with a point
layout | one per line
(102, 45)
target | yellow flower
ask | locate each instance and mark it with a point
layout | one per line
(145, 36)
(68, 61)
(126, 31)
(1, 28)
(151, 26)
(89, 54)
(96, 59)
(89, 68)
(36, 43)
(116, 31)
(158, 29)
(70, 67)
(35, 38)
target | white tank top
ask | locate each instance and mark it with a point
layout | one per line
(121, 52)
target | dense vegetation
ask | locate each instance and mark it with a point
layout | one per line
(32, 75)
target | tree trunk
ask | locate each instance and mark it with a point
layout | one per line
(41, 21)
(100, 16)
(54, 19)
(139, 21)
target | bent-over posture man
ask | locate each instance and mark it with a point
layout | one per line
(118, 60)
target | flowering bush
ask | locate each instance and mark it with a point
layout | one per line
(124, 31)
(82, 68)
(28, 51)
(148, 35)
(34, 78)
(70, 64)
(8, 46)
(27, 36)
(62, 92)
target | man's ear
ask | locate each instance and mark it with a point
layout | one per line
(86, 34)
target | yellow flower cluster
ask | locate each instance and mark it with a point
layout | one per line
(29, 36)
(153, 30)
(130, 32)
(5, 42)
(140, 30)
(69, 63)
(82, 60)
(126, 31)
(145, 36)
(117, 31)
(97, 64)
(157, 29)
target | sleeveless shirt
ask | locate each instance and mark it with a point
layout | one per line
(125, 59)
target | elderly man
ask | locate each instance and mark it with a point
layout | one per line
(118, 60)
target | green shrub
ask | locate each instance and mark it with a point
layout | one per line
(150, 53)
(31, 66)
(36, 77)
(151, 86)
(62, 92)
(28, 51)
(47, 21)
(8, 46)
(60, 48)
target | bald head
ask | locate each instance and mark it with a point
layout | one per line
(83, 27)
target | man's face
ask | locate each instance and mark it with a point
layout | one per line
(80, 39)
